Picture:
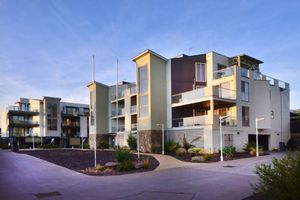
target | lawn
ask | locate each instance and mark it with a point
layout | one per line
(80, 160)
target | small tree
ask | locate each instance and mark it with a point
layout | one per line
(131, 140)
(186, 144)
(281, 180)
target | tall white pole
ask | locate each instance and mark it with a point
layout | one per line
(117, 101)
(95, 140)
(221, 140)
(257, 154)
(138, 141)
(163, 138)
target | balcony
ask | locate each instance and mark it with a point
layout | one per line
(133, 90)
(17, 122)
(120, 128)
(121, 112)
(272, 81)
(189, 96)
(229, 121)
(133, 109)
(245, 72)
(70, 124)
(191, 121)
(203, 94)
(229, 71)
(120, 95)
(224, 93)
(134, 127)
(17, 109)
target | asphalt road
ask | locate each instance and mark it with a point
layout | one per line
(26, 177)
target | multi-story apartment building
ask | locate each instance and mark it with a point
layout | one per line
(48, 119)
(114, 116)
(188, 94)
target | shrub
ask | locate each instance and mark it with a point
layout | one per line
(253, 151)
(195, 150)
(156, 149)
(208, 157)
(86, 146)
(103, 144)
(180, 151)
(279, 180)
(248, 146)
(122, 155)
(186, 144)
(24, 146)
(100, 168)
(229, 151)
(146, 163)
(171, 146)
(125, 166)
(132, 143)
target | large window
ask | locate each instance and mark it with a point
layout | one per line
(143, 91)
(245, 116)
(143, 79)
(52, 116)
(245, 91)
(92, 106)
(200, 72)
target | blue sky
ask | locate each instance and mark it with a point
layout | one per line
(46, 47)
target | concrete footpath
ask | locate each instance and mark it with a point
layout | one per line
(26, 177)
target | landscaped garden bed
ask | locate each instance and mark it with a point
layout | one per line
(187, 152)
(109, 162)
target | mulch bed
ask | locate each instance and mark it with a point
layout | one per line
(215, 158)
(78, 160)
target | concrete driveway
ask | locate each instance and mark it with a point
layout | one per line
(26, 177)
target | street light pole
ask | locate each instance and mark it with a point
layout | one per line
(256, 130)
(94, 96)
(221, 137)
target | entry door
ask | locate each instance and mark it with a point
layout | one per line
(263, 140)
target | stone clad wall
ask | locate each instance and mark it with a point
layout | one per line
(149, 139)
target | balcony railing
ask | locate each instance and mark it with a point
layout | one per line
(134, 127)
(133, 109)
(196, 95)
(72, 124)
(24, 122)
(120, 112)
(17, 108)
(188, 96)
(229, 121)
(120, 95)
(224, 72)
(191, 121)
(120, 128)
(133, 90)
(245, 72)
(226, 93)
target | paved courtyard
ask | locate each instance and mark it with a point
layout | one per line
(26, 177)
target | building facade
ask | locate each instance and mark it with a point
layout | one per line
(48, 120)
(188, 94)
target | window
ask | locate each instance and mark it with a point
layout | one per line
(143, 105)
(143, 79)
(200, 72)
(228, 140)
(245, 91)
(52, 116)
(92, 102)
(244, 72)
(143, 91)
(221, 66)
(245, 116)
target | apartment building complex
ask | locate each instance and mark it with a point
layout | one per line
(49, 119)
(188, 94)
(113, 112)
